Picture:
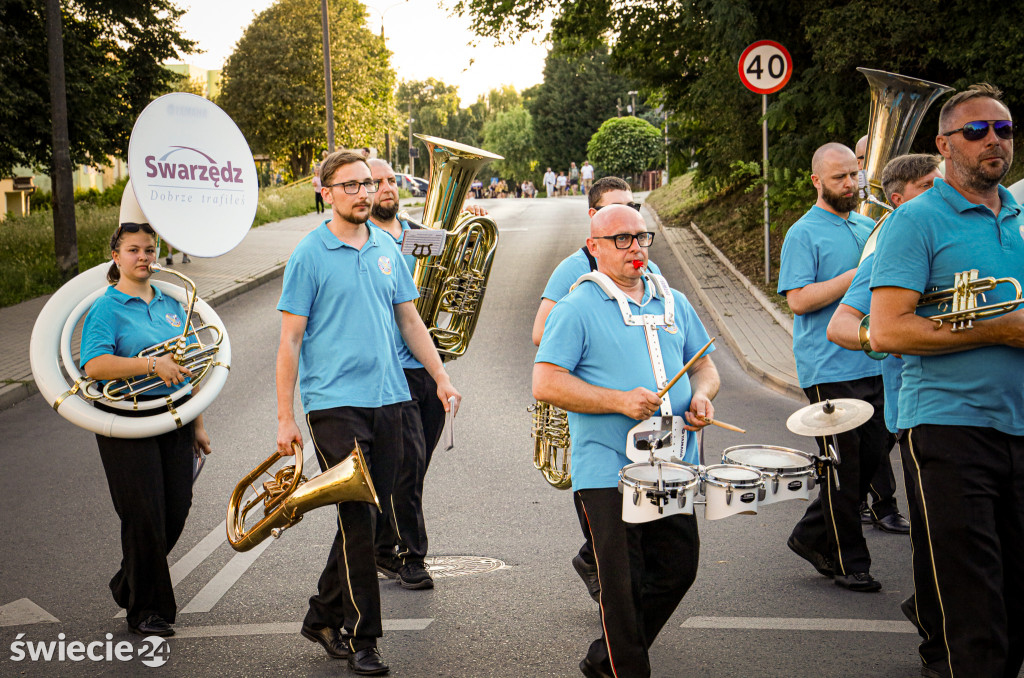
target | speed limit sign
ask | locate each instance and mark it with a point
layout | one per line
(765, 67)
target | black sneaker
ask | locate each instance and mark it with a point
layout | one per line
(415, 576)
(821, 562)
(389, 566)
(861, 582)
(169, 261)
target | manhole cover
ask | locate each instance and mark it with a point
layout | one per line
(460, 566)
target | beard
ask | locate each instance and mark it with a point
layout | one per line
(351, 217)
(382, 213)
(977, 176)
(840, 203)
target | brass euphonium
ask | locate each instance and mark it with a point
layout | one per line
(551, 440)
(288, 495)
(452, 284)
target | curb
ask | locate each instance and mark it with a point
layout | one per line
(769, 379)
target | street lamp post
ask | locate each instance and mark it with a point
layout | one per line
(412, 159)
(327, 77)
(632, 95)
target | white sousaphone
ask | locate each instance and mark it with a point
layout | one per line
(193, 180)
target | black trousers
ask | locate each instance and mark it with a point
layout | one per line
(831, 523)
(404, 532)
(968, 536)
(645, 569)
(150, 481)
(319, 202)
(348, 596)
(882, 490)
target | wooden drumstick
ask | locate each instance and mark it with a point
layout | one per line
(662, 392)
(722, 424)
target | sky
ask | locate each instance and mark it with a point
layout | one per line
(424, 40)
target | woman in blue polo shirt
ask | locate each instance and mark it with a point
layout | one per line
(150, 479)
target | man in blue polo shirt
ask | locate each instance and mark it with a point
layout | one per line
(599, 369)
(346, 289)
(962, 398)
(819, 259)
(606, 191)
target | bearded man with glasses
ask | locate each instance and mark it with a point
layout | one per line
(346, 292)
(819, 260)
(962, 398)
(589, 363)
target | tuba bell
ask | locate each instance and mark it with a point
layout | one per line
(288, 495)
(452, 284)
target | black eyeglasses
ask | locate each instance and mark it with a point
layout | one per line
(978, 129)
(634, 205)
(624, 240)
(352, 187)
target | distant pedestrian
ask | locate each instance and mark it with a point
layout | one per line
(549, 182)
(560, 184)
(317, 189)
(169, 261)
(587, 176)
(574, 178)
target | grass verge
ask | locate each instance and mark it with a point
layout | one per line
(28, 268)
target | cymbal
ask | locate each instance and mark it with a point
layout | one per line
(829, 417)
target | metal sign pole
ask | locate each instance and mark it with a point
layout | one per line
(764, 142)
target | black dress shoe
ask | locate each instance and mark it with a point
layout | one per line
(862, 582)
(592, 670)
(866, 517)
(330, 639)
(894, 522)
(821, 562)
(153, 625)
(588, 573)
(367, 662)
(909, 609)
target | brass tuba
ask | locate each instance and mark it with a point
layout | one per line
(898, 105)
(452, 284)
(288, 495)
(551, 437)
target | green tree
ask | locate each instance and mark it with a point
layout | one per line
(273, 84)
(625, 146)
(112, 55)
(579, 91)
(510, 133)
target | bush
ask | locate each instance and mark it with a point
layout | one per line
(624, 146)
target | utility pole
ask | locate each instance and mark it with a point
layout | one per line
(327, 77)
(412, 159)
(618, 107)
(667, 178)
(632, 95)
(65, 235)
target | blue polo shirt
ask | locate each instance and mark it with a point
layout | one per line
(921, 247)
(585, 334)
(348, 356)
(818, 247)
(569, 271)
(404, 354)
(123, 325)
(859, 297)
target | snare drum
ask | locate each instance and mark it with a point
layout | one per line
(654, 491)
(789, 473)
(730, 489)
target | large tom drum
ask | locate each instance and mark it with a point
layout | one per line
(731, 489)
(789, 474)
(652, 491)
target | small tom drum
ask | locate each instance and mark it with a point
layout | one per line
(789, 474)
(652, 491)
(731, 489)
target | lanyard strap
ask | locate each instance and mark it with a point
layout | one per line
(653, 283)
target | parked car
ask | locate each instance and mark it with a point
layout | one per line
(411, 184)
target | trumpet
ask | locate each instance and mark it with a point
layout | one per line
(551, 436)
(957, 305)
(288, 495)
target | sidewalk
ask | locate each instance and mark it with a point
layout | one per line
(261, 256)
(758, 333)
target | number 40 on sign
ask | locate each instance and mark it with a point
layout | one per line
(765, 67)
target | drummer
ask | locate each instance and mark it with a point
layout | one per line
(590, 363)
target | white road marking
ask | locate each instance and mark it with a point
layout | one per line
(800, 624)
(283, 628)
(215, 589)
(22, 612)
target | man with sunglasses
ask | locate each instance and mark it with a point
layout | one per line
(346, 291)
(962, 398)
(819, 259)
(590, 363)
(606, 191)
